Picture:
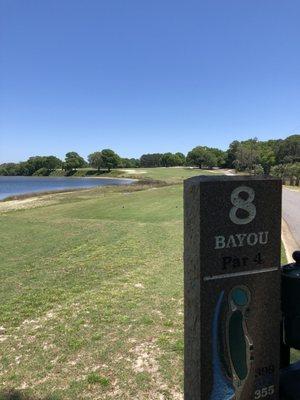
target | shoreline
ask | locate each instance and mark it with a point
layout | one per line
(96, 177)
(28, 195)
(69, 177)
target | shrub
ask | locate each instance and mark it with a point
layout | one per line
(42, 172)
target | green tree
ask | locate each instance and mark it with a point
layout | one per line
(51, 163)
(258, 169)
(296, 167)
(267, 156)
(202, 156)
(292, 173)
(151, 160)
(36, 163)
(135, 162)
(110, 159)
(73, 161)
(96, 160)
(231, 153)
(278, 171)
(169, 160)
(220, 155)
(247, 155)
(180, 158)
(8, 169)
(172, 160)
(22, 169)
(129, 163)
(288, 148)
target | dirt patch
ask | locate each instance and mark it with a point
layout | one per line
(146, 357)
(32, 202)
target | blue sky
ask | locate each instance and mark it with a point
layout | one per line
(145, 76)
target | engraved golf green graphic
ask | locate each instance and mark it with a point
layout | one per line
(236, 336)
(239, 346)
(239, 343)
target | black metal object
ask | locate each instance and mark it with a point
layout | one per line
(290, 330)
(290, 382)
(290, 280)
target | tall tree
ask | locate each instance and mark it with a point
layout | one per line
(96, 160)
(267, 156)
(247, 155)
(180, 158)
(51, 163)
(169, 160)
(172, 160)
(288, 150)
(220, 155)
(73, 161)
(151, 160)
(110, 159)
(231, 153)
(202, 156)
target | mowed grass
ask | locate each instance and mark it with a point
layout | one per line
(170, 175)
(91, 299)
(91, 296)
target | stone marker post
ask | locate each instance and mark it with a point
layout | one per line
(232, 287)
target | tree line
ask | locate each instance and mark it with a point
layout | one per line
(280, 158)
(276, 157)
(104, 160)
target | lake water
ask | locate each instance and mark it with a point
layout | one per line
(15, 185)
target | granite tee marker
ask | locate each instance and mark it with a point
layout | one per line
(232, 288)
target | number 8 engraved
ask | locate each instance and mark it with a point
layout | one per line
(240, 203)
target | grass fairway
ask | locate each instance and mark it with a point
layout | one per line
(169, 175)
(91, 297)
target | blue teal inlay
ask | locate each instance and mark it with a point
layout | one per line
(237, 344)
(222, 386)
(239, 297)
